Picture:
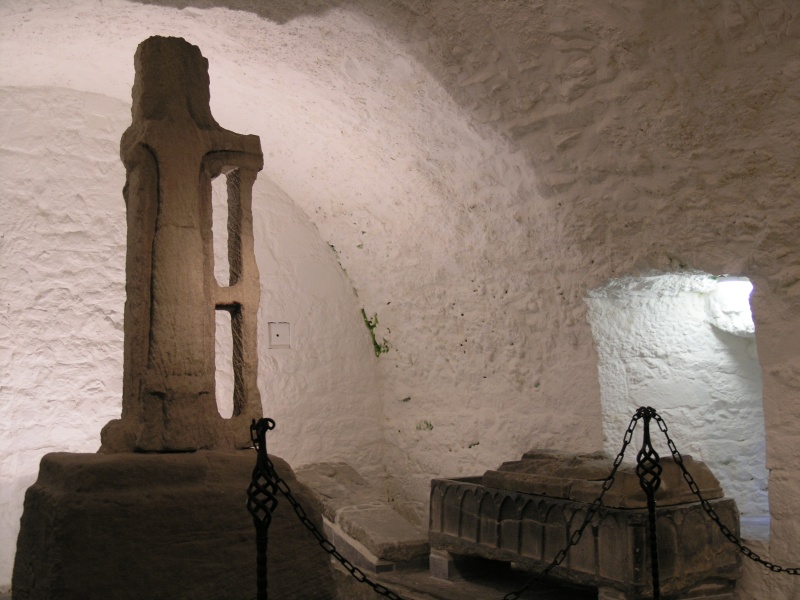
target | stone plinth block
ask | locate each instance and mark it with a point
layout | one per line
(159, 526)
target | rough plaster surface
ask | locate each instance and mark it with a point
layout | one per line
(478, 167)
(659, 344)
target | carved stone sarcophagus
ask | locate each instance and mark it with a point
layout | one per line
(526, 512)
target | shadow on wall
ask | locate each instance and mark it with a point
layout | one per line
(278, 11)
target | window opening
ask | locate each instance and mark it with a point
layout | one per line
(685, 344)
(225, 219)
(223, 363)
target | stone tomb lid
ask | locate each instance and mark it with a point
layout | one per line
(579, 477)
(360, 509)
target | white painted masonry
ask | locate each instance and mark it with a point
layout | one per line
(478, 168)
(659, 344)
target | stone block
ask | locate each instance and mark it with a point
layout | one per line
(381, 529)
(695, 560)
(580, 477)
(336, 486)
(354, 551)
(444, 565)
(360, 513)
(159, 526)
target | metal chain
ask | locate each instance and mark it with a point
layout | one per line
(326, 545)
(381, 590)
(590, 513)
(712, 513)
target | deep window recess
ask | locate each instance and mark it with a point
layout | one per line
(685, 344)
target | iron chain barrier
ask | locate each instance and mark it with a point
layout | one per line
(266, 469)
(590, 513)
(710, 509)
(266, 481)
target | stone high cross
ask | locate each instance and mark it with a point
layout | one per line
(172, 151)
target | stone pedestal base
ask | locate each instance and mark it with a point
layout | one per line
(172, 526)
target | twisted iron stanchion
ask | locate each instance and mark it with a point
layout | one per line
(649, 472)
(261, 499)
(648, 469)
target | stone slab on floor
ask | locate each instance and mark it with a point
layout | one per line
(384, 531)
(160, 526)
(336, 486)
(360, 511)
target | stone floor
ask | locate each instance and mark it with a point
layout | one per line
(419, 585)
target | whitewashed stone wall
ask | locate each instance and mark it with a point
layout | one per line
(478, 167)
(62, 259)
(660, 344)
